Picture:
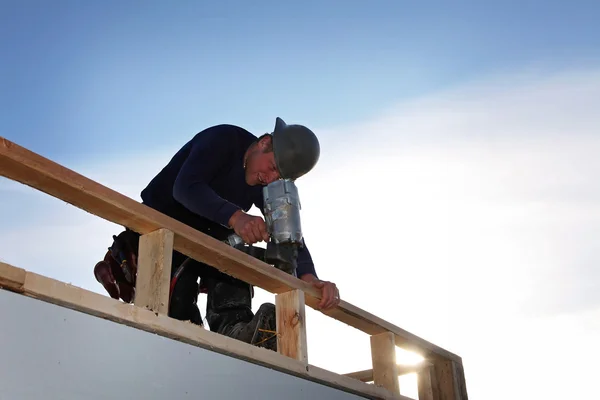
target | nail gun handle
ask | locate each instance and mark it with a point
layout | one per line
(237, 242)
(234, 240)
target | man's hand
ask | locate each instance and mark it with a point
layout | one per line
(250, 228)
(330, 295)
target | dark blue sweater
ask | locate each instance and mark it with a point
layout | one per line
(204, 184)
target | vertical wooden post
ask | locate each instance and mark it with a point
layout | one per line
(427, 384)
(291, 325)
(154, 271)
(383, 355)
(450, 380)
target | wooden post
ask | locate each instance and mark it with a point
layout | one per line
(383, 355)
(291, 325)
(154, 271)
(450, 380)
(427, 384)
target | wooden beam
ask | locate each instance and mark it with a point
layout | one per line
(12, 278)
(427, 384)
(458, 371)
(154, 271)
(373, 325)
(29, 168)
(291, 325)
(75, 298)
(449, 381)
(383, 355)
(367, 374)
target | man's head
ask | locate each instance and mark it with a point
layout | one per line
(289, 152)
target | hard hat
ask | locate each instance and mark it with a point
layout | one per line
(296, 149)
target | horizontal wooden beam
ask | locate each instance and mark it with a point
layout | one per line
(367, 374)
(75, 298)
(31, 169)
(11, 278)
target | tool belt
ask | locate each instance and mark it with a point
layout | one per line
(118, 270)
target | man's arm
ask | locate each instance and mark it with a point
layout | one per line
(208, 154)
(306, 267)
(330, 295)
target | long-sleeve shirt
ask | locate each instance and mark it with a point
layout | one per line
(204, 184)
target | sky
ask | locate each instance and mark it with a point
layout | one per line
(456, 195)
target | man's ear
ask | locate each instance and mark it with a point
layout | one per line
(265, 144)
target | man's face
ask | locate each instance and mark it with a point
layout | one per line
(260, 164)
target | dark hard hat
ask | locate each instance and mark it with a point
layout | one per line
(296, 149)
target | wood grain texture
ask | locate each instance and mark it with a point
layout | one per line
(385, 368)
(154, 271)
(450, 380)
(291, 325)
(427, 384)
(459, 381)
(29, 168)
(11, 278)
(75, 298)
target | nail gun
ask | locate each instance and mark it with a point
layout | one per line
(281, 209)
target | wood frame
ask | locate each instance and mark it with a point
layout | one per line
(31, 169)
(155, 255)
(291, 325)
(63, 294)
(367, 374)
(383, 356)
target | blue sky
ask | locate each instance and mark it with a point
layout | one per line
(84, 78)
(475, 125)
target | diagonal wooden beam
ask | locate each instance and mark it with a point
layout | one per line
(24, 166)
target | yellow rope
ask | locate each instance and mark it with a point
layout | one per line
(270, 337)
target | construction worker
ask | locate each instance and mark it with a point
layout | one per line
(210, 184)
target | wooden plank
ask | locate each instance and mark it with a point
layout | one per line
(367, 374)
(450, 380)
(460, 380)
(385, 368)
(373, 325)
(11, 278)
(29, 168)
(154, 271)
(344, 381)
(427, 384)
(63, 294)
(291, 325)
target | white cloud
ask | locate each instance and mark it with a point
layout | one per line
(470, 218)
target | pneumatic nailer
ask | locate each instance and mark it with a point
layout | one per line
(281, 209)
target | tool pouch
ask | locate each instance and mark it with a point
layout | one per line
(124, 251)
